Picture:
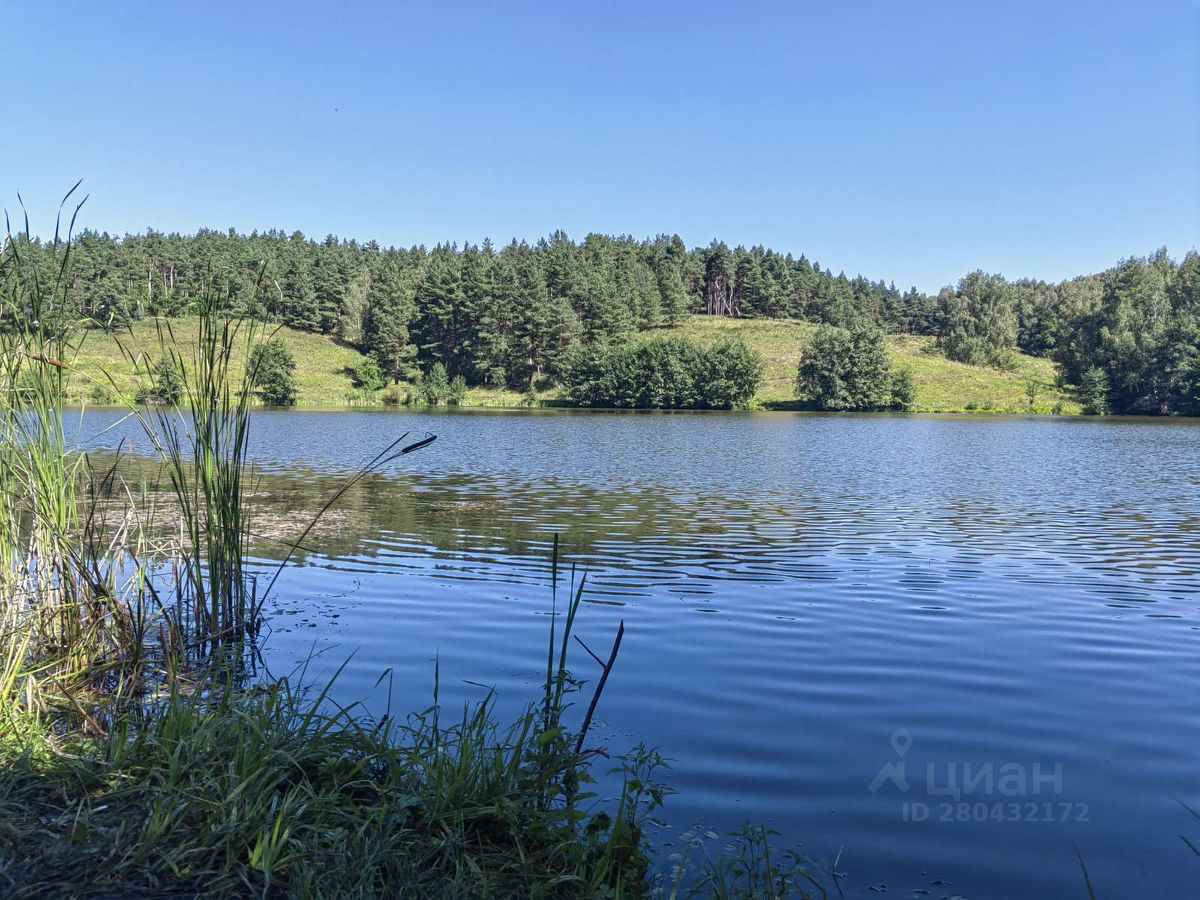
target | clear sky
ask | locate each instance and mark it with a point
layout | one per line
(910, 141)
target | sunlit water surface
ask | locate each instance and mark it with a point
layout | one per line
(1006, 607)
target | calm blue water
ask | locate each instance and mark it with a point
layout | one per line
(1005, 604)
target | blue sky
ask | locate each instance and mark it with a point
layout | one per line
(912, 141)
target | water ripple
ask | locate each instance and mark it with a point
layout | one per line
(796, 589)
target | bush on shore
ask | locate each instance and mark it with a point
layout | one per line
(436, 387)
(273, 372)
(369, 377)
(166, 383)
(1094, 391)
(848, 369)
(666, 373)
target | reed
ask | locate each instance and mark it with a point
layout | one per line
(138, 758)
(71, 599)
(202, 440)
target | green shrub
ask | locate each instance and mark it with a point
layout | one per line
(395, 396)
(849, 370)
(1094, 392)
(904, 389)
(369, 376)
(272, 371)
(437, 387)
(103, 395)
(434, 385)
(668, 373)
(166, 383)
(734, 374)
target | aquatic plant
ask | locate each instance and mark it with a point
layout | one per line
(73, 605)
(138, 756)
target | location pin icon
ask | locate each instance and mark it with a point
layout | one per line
(901, 742)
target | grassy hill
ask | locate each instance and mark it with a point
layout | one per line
(323, 366)
(942, 385)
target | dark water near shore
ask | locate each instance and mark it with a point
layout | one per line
(1005, 606)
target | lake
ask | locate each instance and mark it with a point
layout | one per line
(951, 649)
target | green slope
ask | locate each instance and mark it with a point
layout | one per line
(323, 366)
(942, 385)
(323, 363)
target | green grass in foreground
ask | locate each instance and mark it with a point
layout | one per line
(324, 364)
(267, 793)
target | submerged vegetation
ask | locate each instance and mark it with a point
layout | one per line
(144, 753)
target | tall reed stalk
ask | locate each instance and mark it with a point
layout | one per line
(65, 612)
(203, 440)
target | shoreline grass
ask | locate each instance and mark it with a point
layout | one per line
(267, 791)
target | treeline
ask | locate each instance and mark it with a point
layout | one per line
(522, 313)
(1129, 337)
(493, 316)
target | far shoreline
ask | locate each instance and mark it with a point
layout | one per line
(469, 408)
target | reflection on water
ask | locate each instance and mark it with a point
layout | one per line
(798, 591)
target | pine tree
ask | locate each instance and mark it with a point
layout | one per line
(390, 310)
(298, 297)
(442, 328)
(330, 286)
(720, 282)
(667, 259)
(495, 352)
